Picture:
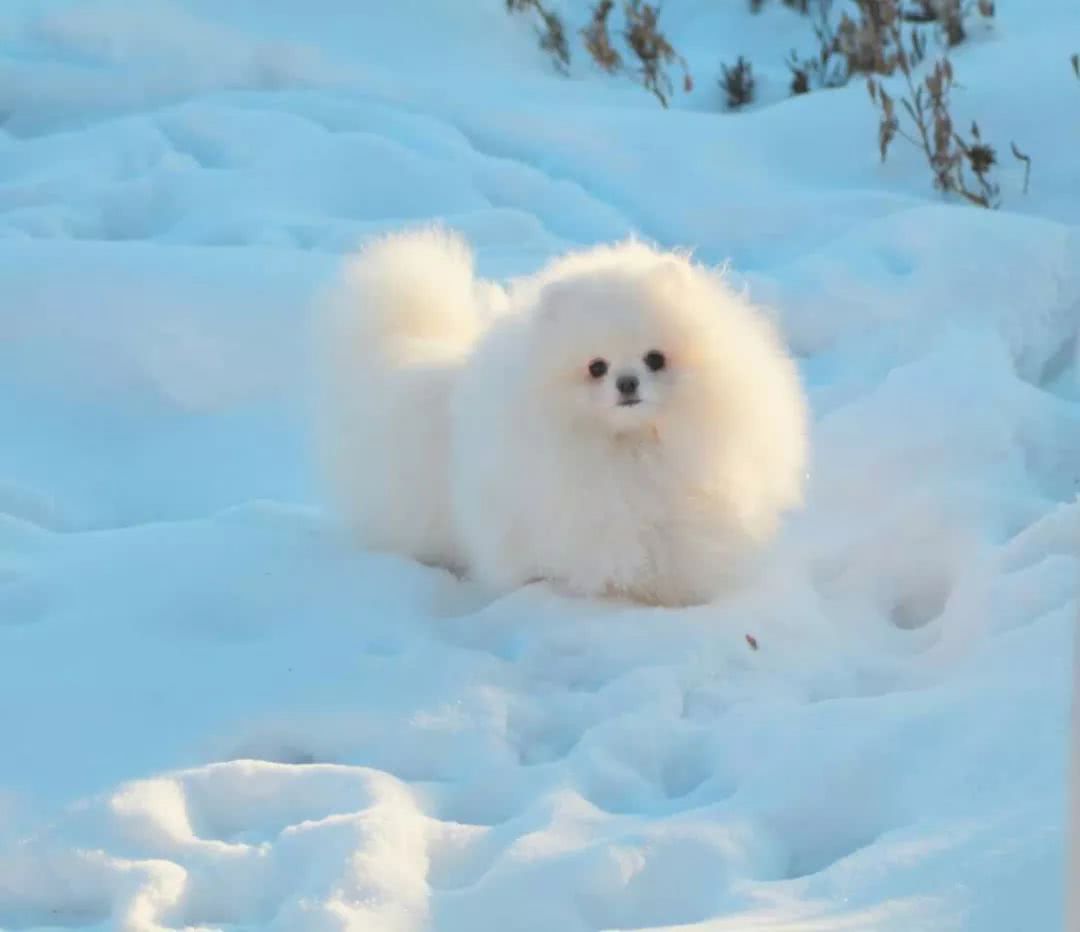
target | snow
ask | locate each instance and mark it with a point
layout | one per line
(217, 714)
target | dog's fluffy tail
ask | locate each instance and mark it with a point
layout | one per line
(390, 342)
(408, 297)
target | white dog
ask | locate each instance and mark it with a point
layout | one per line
(623, 423)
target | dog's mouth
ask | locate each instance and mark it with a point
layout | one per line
(629, 402)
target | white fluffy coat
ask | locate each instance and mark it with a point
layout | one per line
(480, 441)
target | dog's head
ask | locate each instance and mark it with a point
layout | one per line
(617, 346)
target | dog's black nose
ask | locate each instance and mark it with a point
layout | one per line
(627, 384)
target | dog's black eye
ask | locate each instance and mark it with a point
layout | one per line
(598, 368)
(655, 360)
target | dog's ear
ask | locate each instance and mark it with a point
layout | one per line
(554, 300)
(670, 277)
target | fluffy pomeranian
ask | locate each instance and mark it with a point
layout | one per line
(622, 423)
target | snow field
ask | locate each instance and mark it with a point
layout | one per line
(218, 715)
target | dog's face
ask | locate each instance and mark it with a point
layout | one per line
(612, 352)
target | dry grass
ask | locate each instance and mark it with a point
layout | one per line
(877, 38)
(827, 67)
(959, 165)
(597, 38)
(549, 28)
(738, 83)
(653, 55)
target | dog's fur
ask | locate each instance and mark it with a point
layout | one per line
(460, 424)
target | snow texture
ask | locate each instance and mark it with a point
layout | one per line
(218, 714)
